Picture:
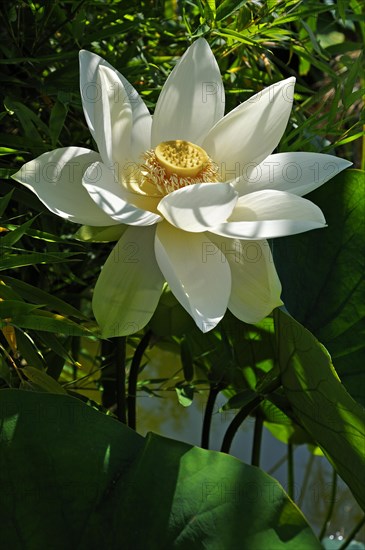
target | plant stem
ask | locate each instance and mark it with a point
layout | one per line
(133, 378)
(257, 439)
(277, 465)
(245, 411)
(119, 361)
(208, 413)
(308, 471)
(355, 530)
(290, 471)
(237, 421)
(331, 505)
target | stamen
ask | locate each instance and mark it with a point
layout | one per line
(176, 164)
(181, 157)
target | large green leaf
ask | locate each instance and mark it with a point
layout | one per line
(73, 478)
(323, 276)
(321, 403)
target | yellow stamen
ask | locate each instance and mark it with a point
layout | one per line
(181, 158)
(175, 164)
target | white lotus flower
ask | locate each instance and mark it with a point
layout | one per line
(199, 192)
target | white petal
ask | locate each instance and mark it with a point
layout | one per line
(256, 286)
(268, 214)
(195, 273)
(56, 179)
(192, 98)
(197, 207)
(113, 119)
(297, 173)
(109, 195)
(250, 133)
(91, 95)
(129, 286)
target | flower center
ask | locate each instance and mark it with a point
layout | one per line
(175, 164)
(181, 157)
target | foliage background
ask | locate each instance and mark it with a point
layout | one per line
(51, 342)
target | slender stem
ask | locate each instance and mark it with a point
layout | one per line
(245, 411)
(277, 465)
(331, 505)
(120, 378)
(133, 378)
(307, 474)
(351, 536)
(257, 439)
(291, 471)
(237, 421)
(208, 413)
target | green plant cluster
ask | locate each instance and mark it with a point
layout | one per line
(74, 476)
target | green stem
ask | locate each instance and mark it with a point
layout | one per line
(351, 536)
(331, 505)
(307, 474)
(291, 470)
(237, 421)
(257, 439)
(133, 378)
(119, 362)
(208, 413)
(277, 465)
(270, 387)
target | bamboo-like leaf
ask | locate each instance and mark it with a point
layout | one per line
(4, 201)
(43, 380)
(12, 261)
(36, 295)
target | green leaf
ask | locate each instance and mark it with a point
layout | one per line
(210, 10)
(12, 261)
(321, 403)
(28, 119)
(21, 315)
(322, 273)
(228, 7)
(40, 59)
(57, 120)
(355, 68)
(14, 236)
(238, 36)
(43, 381)
(84, 471)
(341, 8)
(52, 342)
(14, 309)
(185, 394)
(41, 235)
(28, 350)
(4, 201)
(38, 296)
(239, 400)
(288, 433)
(350, 138)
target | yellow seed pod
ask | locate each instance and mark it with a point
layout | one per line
(181, 157)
